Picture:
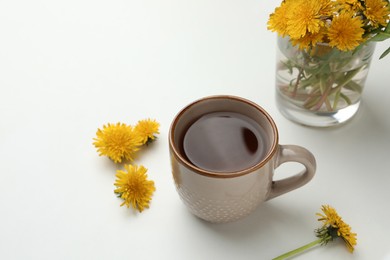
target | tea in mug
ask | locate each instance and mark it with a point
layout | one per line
(224, 142)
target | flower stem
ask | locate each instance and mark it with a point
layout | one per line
(299, 77)
(299, 250)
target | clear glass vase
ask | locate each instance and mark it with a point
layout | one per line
(320, 87)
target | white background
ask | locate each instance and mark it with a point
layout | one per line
(69, 67)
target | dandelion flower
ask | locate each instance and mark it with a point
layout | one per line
(308, 41)
(304, 17)
(345, 32)
(334, 226)
(377, 12)
(134, 187)
(118, 142)
(147, 129)
(277, 21)
(350, 5)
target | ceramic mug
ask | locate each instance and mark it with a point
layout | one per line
(223, 196)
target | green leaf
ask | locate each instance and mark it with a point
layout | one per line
(308, 82)
(380, 37)
(341, 82)
(385, 53)
(346, 98)
(387, 28)
(352, 85)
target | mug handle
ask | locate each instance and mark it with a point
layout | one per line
(293, 153)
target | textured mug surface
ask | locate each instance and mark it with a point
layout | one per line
(228, 196)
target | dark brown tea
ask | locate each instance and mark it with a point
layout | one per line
(224, 142)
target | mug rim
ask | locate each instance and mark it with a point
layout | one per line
(187, 164)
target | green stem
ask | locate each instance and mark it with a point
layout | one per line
(300, 76)
(346, 79)
(324, 96)
(299, 250)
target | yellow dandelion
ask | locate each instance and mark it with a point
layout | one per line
(327, 8)
(308, 41)
(134, 187)
(277, 21)
(118, 142)
(350, 5)
(334, 226)
(304, 16)
(147, 129)
(377, 12)
(345, 32)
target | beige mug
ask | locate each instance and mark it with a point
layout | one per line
(223, 195)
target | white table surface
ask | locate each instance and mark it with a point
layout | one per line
(69, 67)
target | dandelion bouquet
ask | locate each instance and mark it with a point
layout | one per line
(325, 48)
